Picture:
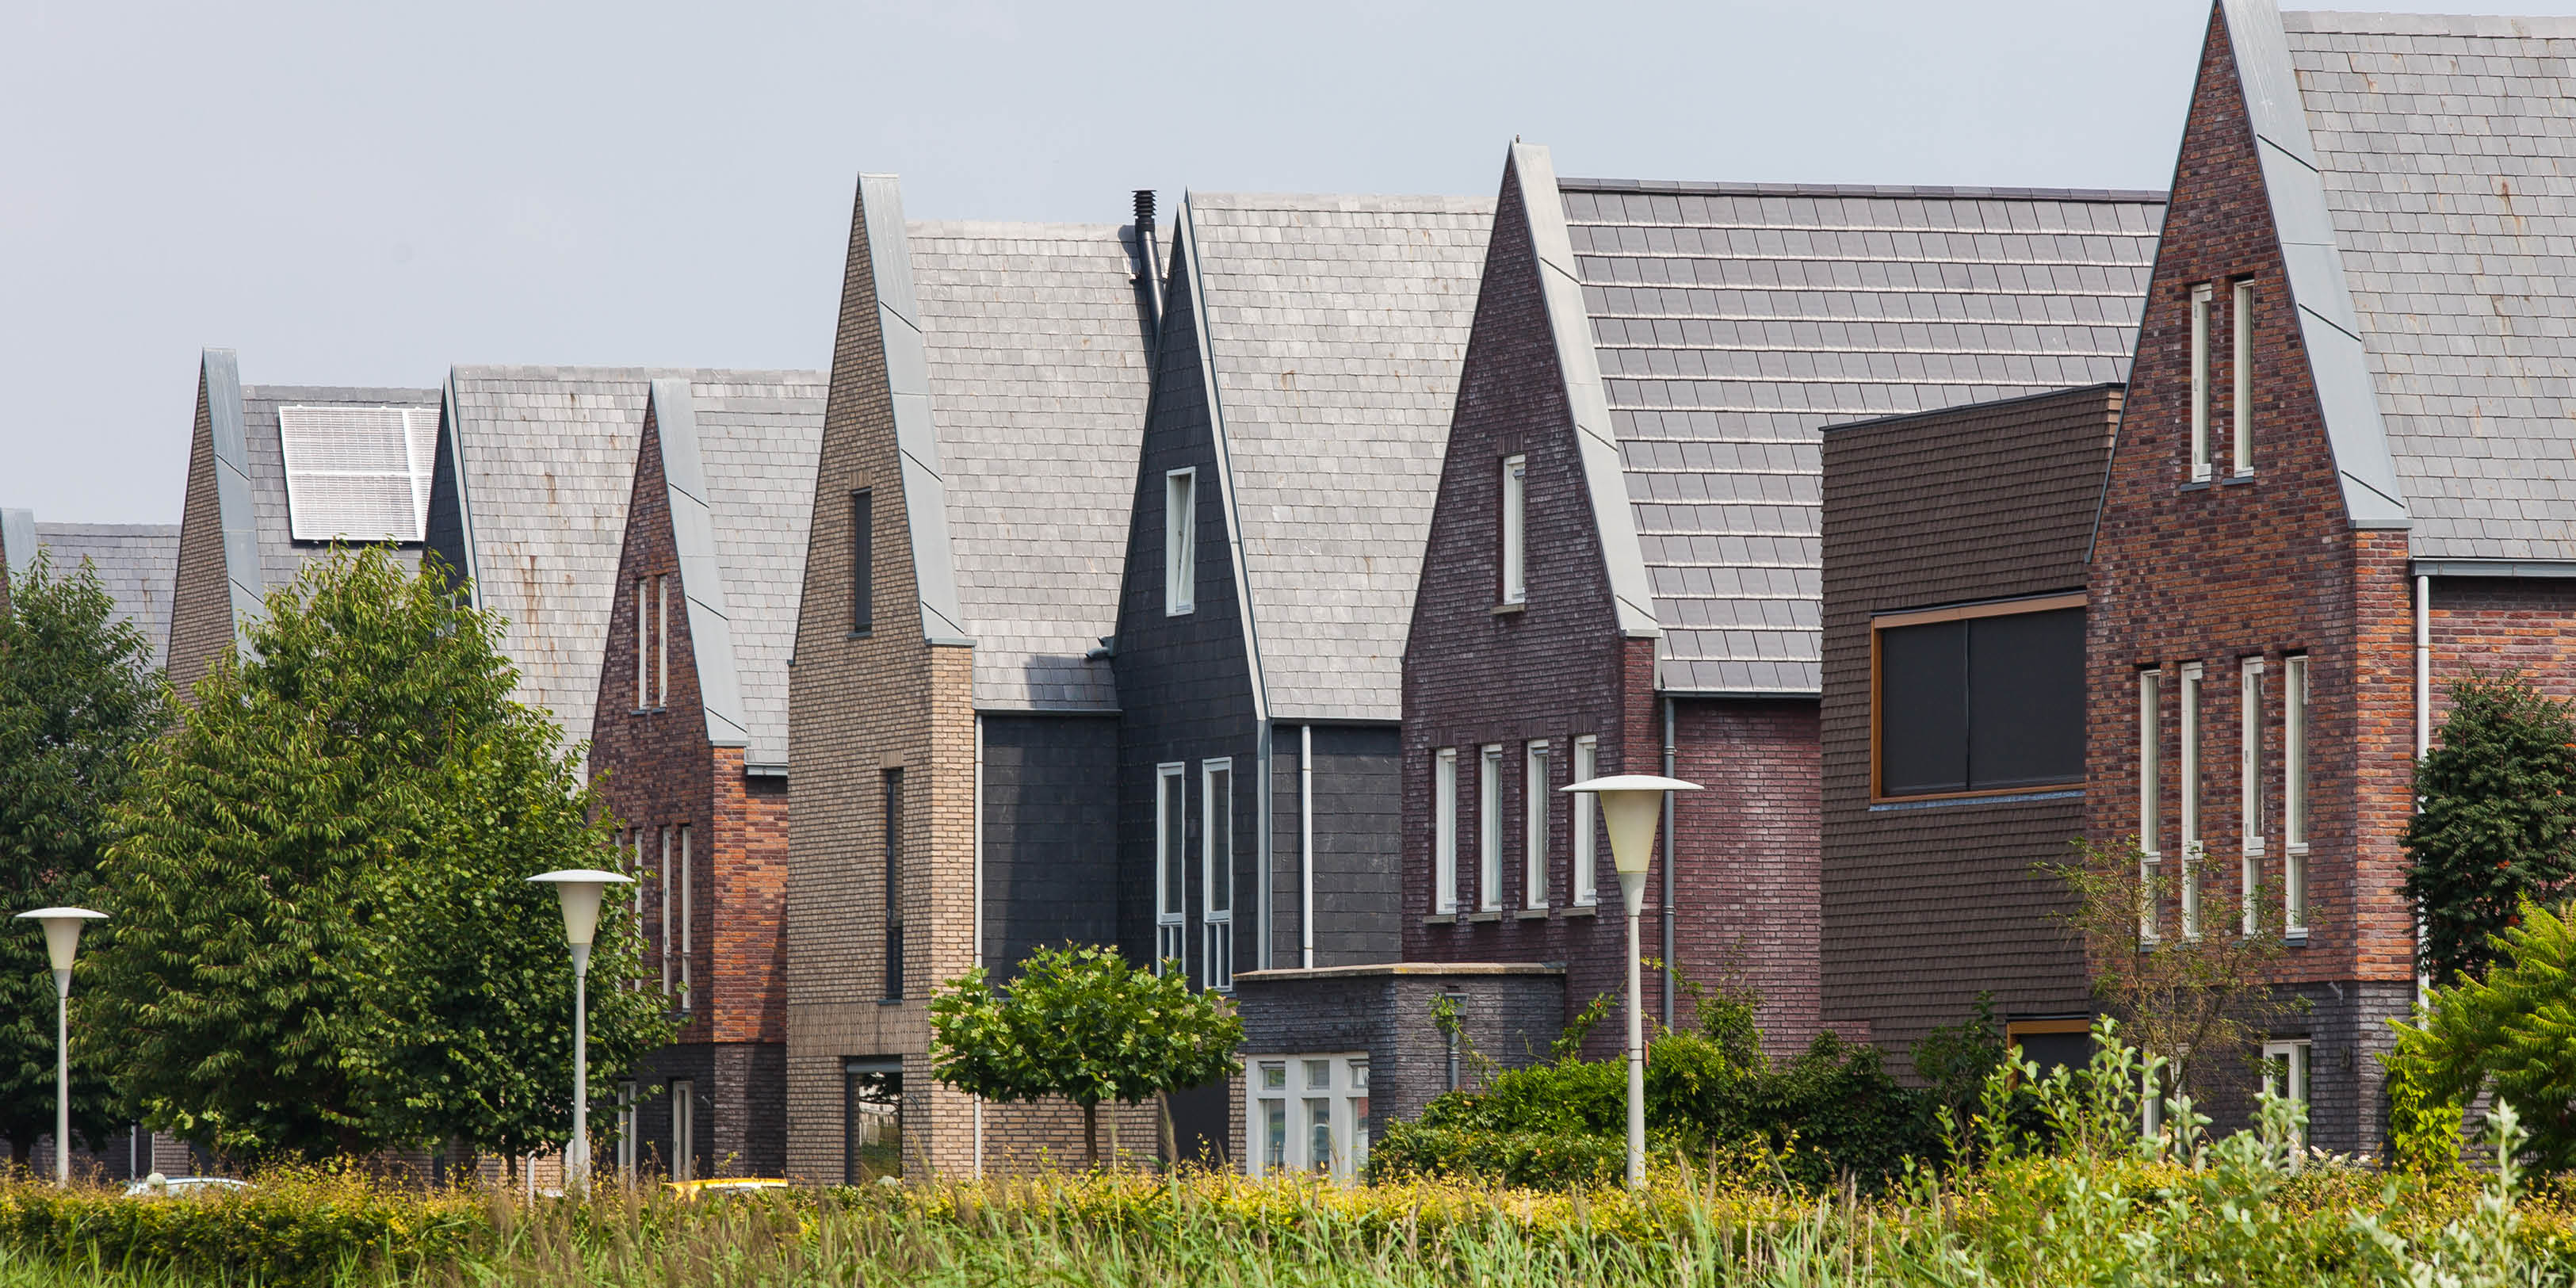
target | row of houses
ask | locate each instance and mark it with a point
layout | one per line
(1240, 589)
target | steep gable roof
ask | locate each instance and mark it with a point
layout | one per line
(2422, 171)
(1727, 324)
(1332, 329)
(137, 564)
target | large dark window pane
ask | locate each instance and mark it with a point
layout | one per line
(1923, 709)
(2026, 699)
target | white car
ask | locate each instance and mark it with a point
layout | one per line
(157, 1186)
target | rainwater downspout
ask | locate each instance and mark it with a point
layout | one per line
(2423, 742)
(1306, 845)
(978, 958)
(1668, 865)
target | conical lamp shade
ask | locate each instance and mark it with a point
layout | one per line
(578, 889)
(1631, 805)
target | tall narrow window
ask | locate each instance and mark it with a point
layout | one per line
(1180, 542)
(893, 884)
(2294, 794)
(1171, 865)
(1587, 881)
(1216, 874)
(684, 1129)
(688, 900)
(662, 885)
(1489, 830)
(661, 641)
(2192, 850)
(2249, 785)
(626, 1133)
(863, 562)
(871, 1120)
(641, 874)
(2285, 1071)
(2150, 795)
(1534, 838)
(1444, 830)
(643, 647)
(2201, 301)
(2240, 373)
(1515, 496)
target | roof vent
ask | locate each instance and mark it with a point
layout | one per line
(357, 473)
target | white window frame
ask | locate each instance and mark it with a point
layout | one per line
(684, 1129)
(2294, 794)
(1180, 541)
(2296, 1062)
(662, 885)
(1515, 514)
(2150, 796)
(2240, 326)
(2201, 302)
(1444, 831)
(1587, 875)
(2249, 785)
(1216, 969)
(1171, 916)
(1489, 828)
(688, 901)
(661, 642)
(2193, 851)
(1283, 1084)
(626, 1142)
(643, 648)
(1534, 820)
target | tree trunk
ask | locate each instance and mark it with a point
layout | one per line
(1171, 1143)
(1091, 1133)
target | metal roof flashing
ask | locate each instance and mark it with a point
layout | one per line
(702, 584)
(907, 369)
(220, 385)
(18, 540)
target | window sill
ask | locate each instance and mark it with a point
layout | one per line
(2234, 479)
(1441, 919)
(1505, 610)
(1483, 916)
(890, 1001)
(1185, 611)
(2295, 938)
(1530, 914)
(1584, 910)
(861, 635)
(2195, 485)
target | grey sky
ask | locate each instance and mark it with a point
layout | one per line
(367, 193)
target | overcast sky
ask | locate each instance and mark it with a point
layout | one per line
(364, 194)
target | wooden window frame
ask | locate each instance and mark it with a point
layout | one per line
(1929, 616)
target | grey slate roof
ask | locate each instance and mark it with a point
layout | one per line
(1732, 322)
(755, 443)
(1335, 327)
(2445, 148)
(280, 555)
(137, 564)
(547, 460)
(1037, 374)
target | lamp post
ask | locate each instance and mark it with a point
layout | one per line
(1629, 805)
(578, 890)
(62, 939)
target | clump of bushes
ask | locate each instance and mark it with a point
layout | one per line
(295, 1228)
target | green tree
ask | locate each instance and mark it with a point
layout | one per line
(2510, 1030)
(78, 694)
(326, 942)
(1080, 1023)
(2498, 819)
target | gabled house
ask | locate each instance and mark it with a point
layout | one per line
(689, 753)
(275, 474)
(136, 564)
(952, 717)
(1308, 354)
(2345, 479)
(1623, 569)
(1953, 716)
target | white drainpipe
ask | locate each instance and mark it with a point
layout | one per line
(978, 958)
(1306, 845)
(2423, 741)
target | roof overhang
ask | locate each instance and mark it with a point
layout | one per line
(2495, 567)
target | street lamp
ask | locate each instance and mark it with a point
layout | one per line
(1629, 804)
(62, 939)
(578, 890)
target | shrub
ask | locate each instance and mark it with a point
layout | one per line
(1529, 1159)
(292, 1230)
(2498, 823)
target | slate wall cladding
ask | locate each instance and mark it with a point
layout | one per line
(1357, 807)
(1184, 682)
(1050, 834)
(2263, 566)
(1508, 1013)
(1927, 903)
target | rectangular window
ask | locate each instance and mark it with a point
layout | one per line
(1307, 1114)
(1171, 865)
(626, 1133)
(894, 883)
(1991, 702)
(661, 641)
(2200, 309)
(643, 648)
(641, 875)
(2150, 795)
(863, 566)
(2285, 1070)
(662, 887)
(1587, 880)
(2294, 793)
(1444, 830)
(2191, 844)
(684, 1129)
(871, 1120)
(1489, 830)
(1180, 542)
(1271, 1148)
(2249, 784)
(2240, 371)
(688, 896)
(1534, 836)
(1216, 873)
(1515, 496)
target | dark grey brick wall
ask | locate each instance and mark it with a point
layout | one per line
(1050, 834)
(1358, 812)
(1387, 1013)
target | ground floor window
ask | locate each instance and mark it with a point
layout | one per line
(2285, 1071)
(684, 1129)
(626, 1132)
(872, 1120)
(1309, 1113)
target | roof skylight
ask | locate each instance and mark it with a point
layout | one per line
(358, 473)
